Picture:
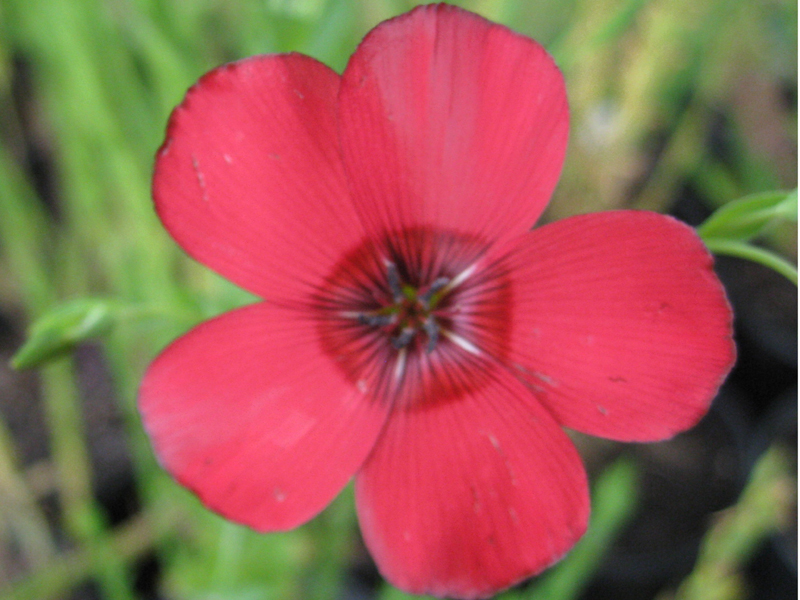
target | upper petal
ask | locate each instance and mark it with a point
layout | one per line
(449, 120)
(619, 324)
(249, 179)
(249, 412)
(466, 497)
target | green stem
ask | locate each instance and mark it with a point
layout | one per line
(755, 254)
(19, 512)
(326, 579)
(765, 508)
(70, 569)
(613, 503)
(83, 518)
(230, 545)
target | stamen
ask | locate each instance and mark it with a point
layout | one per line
(436, 286)
(402, 339)
(350, 314)
(400, 366)
(393, 279)
(432, 329)
(461, 342)
(373, 320)
(460, 278)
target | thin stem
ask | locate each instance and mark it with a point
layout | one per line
(755, 254)
(613, 503)
(334, 538)
(83, 518)
(71, 568)
(19, 511)
(230, 546)
(765, 508)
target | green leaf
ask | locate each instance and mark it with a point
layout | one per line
(748, 217)
(59, 330)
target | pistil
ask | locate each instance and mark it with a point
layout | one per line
(409, 311)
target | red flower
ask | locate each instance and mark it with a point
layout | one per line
(414, 332)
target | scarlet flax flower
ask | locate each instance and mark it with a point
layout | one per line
(415, 333)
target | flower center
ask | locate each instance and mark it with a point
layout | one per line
(412, 310)
(415, 316)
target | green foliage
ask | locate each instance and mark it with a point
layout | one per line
(60, 330)
(765, 507)
(751, 216)
(732, 226)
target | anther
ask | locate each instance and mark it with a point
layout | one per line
(393, 279)
(373, 320)
(432, 329)
(402, 339)
(437, 285)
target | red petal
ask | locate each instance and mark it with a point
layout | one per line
(249, 412)
(619, 324)
(448, 120)
(249, 180)
(465, 498)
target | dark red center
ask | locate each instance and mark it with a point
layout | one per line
(415, 316)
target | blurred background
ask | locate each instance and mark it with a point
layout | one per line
(677, 106)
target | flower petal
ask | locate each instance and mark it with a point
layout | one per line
(467, 497)
(619, 324)
(449, 120)
(249, 179)
(250, 413)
